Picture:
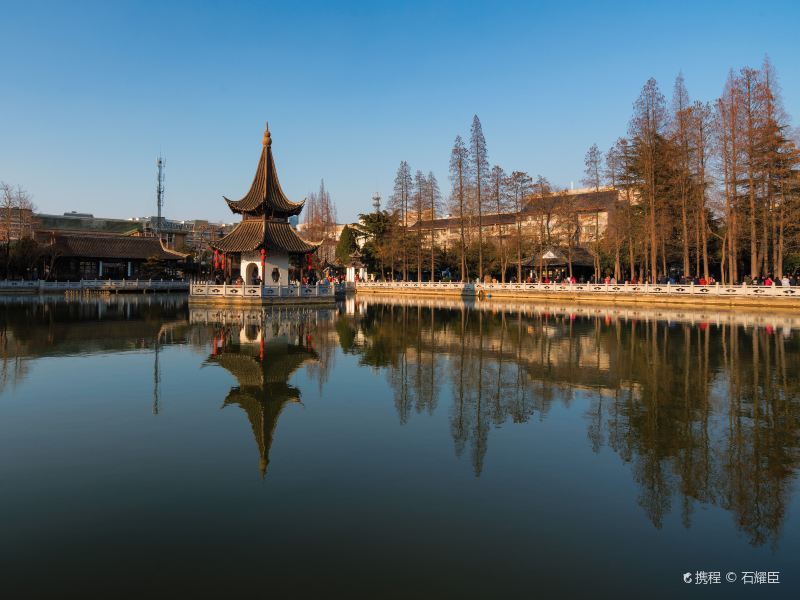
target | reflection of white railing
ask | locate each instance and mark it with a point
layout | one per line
(213, 290)
(96, 284)
(776, 291)
(697, 314)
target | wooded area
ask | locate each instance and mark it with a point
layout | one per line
(702, 189)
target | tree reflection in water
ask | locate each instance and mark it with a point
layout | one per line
(704, 412)
(704, 408)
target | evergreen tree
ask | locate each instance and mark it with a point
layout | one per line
(346, 245)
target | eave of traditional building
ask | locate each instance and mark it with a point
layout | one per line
(251, 235)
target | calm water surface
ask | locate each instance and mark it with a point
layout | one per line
(394, 449)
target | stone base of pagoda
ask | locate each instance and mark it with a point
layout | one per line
(226, 295)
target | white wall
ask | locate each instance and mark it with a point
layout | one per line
(281, 261)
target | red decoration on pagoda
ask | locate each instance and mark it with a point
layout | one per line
(263, 259)
(222, 261)
(216, 259)
(309, 260)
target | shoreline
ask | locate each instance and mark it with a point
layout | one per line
(605, 296)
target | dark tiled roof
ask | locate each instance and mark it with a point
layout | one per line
(581, 257)
(586, 201)
(249, 235)
(470, 221)
(583, 202)
(122, 247)
(255, 200)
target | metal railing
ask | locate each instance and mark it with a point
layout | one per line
(776, 291)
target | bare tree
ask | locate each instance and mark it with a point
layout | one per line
(520, 185)
(16, 217)
(434, 202)
(479, 165)
(499, 187)
(459, 172)
(593, 162)
(646, 129)
(680, 126)
(399, 203)
(419, 198)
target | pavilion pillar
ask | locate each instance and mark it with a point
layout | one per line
(99, 269)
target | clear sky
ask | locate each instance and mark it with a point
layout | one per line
(91, 93)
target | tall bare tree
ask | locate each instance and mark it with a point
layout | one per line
(434, 203)
(419, 198)
(499, 188)
(399, 203)
(459, 173)
(520, 184)
(479, 166)
(593, 168)
(681, 138)
(647, 129)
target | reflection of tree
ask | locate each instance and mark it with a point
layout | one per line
(702, 413)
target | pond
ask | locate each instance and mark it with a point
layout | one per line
(395, 449)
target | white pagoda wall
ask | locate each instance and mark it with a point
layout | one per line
(274, 259)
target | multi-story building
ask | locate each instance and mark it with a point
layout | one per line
(582, 214)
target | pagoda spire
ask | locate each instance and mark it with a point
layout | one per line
(265, 194)
(267, 141)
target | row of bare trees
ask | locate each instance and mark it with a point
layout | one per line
(319, 222)
(16, 229)
(702, 189)
(706, 188)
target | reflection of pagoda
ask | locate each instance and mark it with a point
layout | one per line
(263, 388)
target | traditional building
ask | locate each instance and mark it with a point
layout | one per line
(356, 270)
(72, 256)
(263, 246)
(588, 209)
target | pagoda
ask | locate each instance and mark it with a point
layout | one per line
(264, 246)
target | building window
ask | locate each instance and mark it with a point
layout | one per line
(88, 269)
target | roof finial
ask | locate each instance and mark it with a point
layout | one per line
(267, 139)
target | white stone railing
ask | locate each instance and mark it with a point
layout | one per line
(457, 287)
(95, 284)
(717, 289)
(213, 290)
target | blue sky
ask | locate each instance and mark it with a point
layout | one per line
(92, 92)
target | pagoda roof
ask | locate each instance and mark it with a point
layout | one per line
(250, 235)
(265, 194)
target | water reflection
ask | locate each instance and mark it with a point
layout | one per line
(262, 351)
(704, 409)
(37, 326)
(704, 413)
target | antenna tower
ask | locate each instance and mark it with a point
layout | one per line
(376, 201)
(161, 162)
